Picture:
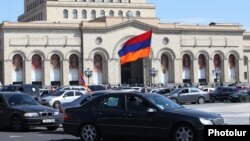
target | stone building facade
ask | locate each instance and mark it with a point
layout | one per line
(48, 52)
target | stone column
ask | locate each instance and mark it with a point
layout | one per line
(195, 71)
(7, 74)
(114, 72)
(27, 72)
(46, 73)
(178, 71)
(65, 72)
(210, 71)
(225, 70)
(238, 70)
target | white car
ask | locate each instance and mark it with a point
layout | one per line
(208, 89)
(61, 97)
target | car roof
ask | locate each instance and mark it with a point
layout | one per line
(11, 93)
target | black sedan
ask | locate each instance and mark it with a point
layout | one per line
(134, 115)
(20, 111)
(240, 97)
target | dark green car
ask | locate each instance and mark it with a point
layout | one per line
(240, 97)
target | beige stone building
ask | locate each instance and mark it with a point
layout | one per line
(49, 46)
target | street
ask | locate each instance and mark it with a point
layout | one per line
(234, 113)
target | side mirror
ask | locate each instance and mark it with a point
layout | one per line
(151, 110)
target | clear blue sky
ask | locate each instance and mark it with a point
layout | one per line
(183, 11)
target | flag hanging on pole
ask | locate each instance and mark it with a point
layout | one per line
(136, 48)
(84, 84)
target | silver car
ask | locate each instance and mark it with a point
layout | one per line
(189, 94)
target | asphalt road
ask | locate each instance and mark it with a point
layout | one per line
(234, 113)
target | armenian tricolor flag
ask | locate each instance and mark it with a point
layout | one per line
(136, 48)
(84, 84)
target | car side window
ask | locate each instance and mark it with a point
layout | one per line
(184, 91)
(66, 89)
(78, 93)
(194, 91)
(69, 94)
(136, 104)
(109, 103)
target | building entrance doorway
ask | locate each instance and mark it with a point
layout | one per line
(132, 73)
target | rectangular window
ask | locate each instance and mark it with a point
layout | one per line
(245, 75)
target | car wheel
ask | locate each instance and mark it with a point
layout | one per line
(212, 99)
(56, 104)
(52, 128)
(201, 100)
(184, 132)
(16, 123)
(89, 133)
(175, 100)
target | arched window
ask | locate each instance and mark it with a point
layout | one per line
(245, 60)
(65, 14)
(36, 70)
(120, 13)
(119, 1)
(98, 69)
(75, 14)
(74, 69)
(93, 14)
(186, 68)
(84, 14)
(111, 13)
(17, 69)
(138, 14)
(102, 13)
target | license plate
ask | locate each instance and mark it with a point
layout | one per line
(48, 120)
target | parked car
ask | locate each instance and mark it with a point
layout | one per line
(188, 94)
(134, 115)
(162, 91)
(222, 93)
(240, 96)
(20, 111)
(96, 87)
(209, 89)
(45, 93)
(81, 100)
(61, 97)
(30, 89)
(66, 88)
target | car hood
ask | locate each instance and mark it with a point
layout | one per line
(33, 108)
(195, 113)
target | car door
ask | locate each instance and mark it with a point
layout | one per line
(68, 97)
(183, 95)
(108, 111)
(2, 112)
(137, 121)
(194, 94)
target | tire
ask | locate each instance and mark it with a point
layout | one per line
(56, 104)
(201, 100)
(52, 128)
(175, 100)
(16, 123)
(212, 99)
(89, 132)
(184, 132)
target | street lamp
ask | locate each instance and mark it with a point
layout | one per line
(88, 73)
(153, 72)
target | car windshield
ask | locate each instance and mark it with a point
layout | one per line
(20, 99)
(175, 91)
(218, 89)
(59, 93)
(162, 102)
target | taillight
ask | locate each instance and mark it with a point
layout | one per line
(67, 117)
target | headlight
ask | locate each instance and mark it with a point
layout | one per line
(31, 115)
(56, 113)
(206, 121)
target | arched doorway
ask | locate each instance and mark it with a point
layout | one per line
(217, 72)
(132, 73)
(36, 70)
(232, 74)
(17, 69)
(186, 69)
(202, 70)
(74, 69)
(55, 70)
(165, 71)
(98, 69)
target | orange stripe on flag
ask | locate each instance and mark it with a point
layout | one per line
(132, 56)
